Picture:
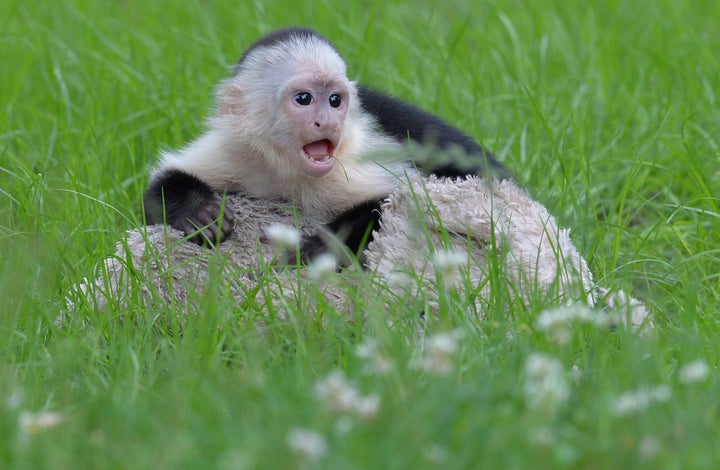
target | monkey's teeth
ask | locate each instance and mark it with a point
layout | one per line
(319, 149)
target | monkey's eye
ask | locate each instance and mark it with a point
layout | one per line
(335, 101)
(303, 98)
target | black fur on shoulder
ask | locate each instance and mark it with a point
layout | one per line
(187, 203)
(404, 122)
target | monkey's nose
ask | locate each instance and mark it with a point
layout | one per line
(323, 120)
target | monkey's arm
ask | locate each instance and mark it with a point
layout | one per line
(353, 228)
(188, 204)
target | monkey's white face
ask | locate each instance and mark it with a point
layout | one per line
(315, 107)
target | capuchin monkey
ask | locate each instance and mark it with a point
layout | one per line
(291, 125)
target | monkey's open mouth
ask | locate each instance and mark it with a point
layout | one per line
(318, 158)
(319, 150)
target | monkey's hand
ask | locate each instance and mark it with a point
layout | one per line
(207, 220)
(188, 204)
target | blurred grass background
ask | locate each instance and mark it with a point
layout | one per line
(606, 111)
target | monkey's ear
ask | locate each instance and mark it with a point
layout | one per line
(230, 99)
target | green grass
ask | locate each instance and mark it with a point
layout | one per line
(607, 111)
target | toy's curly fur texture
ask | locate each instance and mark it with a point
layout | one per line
(157, 264)
(479, 223)
(474, 219)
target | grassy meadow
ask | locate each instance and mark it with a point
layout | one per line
(607, 111)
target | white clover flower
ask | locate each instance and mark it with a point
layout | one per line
(344, 424)
(557, 322)
(398, 281)
(283, 236)
(436, 454)
(648, 448)
(342, 398)
(545, 382)
(448, 265)
(439, 351)
(444, 343)
(448, 260)
(337, 392)
(307, 443)
(33, 423)
(696, 371)
(377, 362)
(367, 348)
(367, 407)
(639, 400)
(575, 374)
(542, 436)
(15, 399)
(323, 267)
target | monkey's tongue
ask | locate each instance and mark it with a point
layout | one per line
(318, 159)
(319, 150)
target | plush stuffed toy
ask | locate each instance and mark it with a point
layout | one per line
(160, 267)
(459, 229)
(434, 234)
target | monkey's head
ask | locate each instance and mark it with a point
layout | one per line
(290, 98)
